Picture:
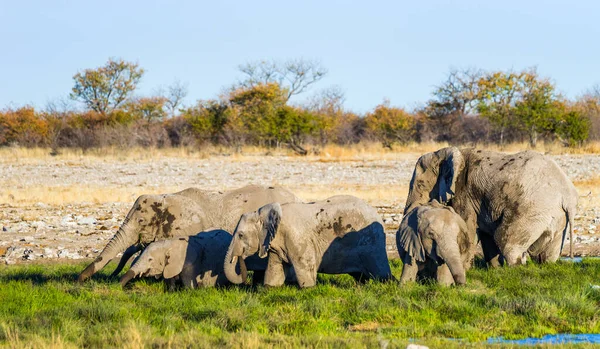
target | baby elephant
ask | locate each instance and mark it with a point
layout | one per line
(194, 261)
(340, 235)
(433, 241)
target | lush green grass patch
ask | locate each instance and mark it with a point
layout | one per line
(42, 306)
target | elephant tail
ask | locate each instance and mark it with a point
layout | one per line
(570, 221)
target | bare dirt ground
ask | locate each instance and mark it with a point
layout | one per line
(68, 207)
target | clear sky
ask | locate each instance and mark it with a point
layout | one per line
(372, 49)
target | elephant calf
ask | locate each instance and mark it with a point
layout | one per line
(340, 235)
(433, 241)
(194, 261)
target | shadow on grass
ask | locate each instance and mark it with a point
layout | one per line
(41, 278)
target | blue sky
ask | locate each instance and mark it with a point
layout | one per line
(373, 50)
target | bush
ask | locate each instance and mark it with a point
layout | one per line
(574, 128)
(390, 125)
(24, 127)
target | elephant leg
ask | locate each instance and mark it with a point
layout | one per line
(409, 271)
(491, 252)
(307, 277)
(444, 276)
(550, 252)
(274, 275)
(515, 238)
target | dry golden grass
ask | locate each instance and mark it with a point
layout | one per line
(15, 194)
(76, 194)
(73, 194)
(330, 152)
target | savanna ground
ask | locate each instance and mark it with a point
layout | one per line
(57, 209)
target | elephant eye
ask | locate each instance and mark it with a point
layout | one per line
(240, 235)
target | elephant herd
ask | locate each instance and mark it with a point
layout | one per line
(515, 206)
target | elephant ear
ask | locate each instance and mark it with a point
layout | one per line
(174, 261)
(408, 239)
(450, 167)
(269, 216)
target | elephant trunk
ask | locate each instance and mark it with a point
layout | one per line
(124, 238)
(130, 274)
(126, 255)
(231, 261)
(409, 270)
(243, 270)
(450, 253)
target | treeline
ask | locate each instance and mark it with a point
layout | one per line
(470, 106)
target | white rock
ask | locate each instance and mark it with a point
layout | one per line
(416, 346)
(38, 224)
(86, 221)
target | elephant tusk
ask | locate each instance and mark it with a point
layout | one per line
(233, 259)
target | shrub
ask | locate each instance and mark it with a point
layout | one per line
(24, 127)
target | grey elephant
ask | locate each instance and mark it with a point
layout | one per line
(520, 204)
(434, 241)
(185, 213)
(192, 261)
(339, 235)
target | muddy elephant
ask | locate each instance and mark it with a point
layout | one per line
(191, 261)
(156, 217)
(520, 204)
(434, 242)
(339, 235)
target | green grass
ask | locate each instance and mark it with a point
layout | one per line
(43, 306)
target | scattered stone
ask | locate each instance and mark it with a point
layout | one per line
(416, 346)
(86, 221)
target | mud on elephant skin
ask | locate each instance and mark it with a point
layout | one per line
(185, 213)
(339, 235)
(191, 261)
(520, 204)
(434, 242)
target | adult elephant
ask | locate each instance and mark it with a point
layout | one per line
(185, 213)
(519, 203)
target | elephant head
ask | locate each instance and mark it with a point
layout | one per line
(162, 258)
(435, 177)
(254, 233)
(433, 234)
(152, 217)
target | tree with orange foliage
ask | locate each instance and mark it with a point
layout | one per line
(23, 126)
(390, 124)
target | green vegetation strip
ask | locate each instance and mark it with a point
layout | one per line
(43, 306)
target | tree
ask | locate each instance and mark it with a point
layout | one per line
(588, 105)
(391, 124)
(258, 106)
(209, 118)
(147, 108)
(174, 96)
(294, 76)
(537, 107)
(458, 94)
(498, 92)
(573, 128)
(105, 88)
